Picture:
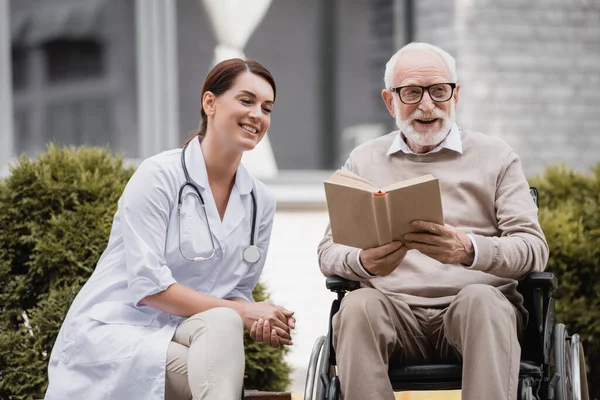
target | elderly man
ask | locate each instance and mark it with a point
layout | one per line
(447, 293)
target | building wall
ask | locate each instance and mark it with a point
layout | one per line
(288, 42)
(529, 71)
(365, 43)
(195, 49)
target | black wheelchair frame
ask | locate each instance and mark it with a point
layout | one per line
(551, 367)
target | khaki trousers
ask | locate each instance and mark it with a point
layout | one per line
(480, 328)
(205, 360)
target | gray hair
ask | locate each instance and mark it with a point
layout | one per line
(391, 64)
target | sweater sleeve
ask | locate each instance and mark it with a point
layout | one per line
(521, 247)
(337, 259)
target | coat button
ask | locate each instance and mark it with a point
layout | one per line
(64, 358)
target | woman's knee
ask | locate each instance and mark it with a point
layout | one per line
(223, 317)
(218, 321)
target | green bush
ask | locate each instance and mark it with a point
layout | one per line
(56, 213)
(570, 217)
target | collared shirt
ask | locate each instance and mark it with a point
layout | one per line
(453, 142)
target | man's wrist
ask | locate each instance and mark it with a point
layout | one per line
(362, 267)
(468, 258)
(471, 256)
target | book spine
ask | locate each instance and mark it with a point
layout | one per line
(382, 219)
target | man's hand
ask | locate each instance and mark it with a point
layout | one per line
(269, 323)
(382, 260)
(443, 243)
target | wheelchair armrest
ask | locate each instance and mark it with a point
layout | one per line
(338, 284)
(537, 289)
(540, 280)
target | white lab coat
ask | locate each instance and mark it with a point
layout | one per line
(109, 347)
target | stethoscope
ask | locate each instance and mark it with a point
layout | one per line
(251, 253)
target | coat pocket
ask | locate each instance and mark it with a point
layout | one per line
(110, 331)
(120, 314)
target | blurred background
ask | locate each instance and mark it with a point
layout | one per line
(128, 74)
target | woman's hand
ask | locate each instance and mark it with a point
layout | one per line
(268, 323)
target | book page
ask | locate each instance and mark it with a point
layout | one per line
(408, 182)
(350, 179)
(417, 201)
(351, 216)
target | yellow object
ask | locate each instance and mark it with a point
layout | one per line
(430, 395)
(427, 395)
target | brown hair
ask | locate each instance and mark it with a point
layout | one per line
(221, 78)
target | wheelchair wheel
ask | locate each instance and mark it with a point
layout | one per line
(325, 374)
(313, 387)
(561, 363)
(567, 363)
(580, 384)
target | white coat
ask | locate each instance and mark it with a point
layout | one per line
(109, 347)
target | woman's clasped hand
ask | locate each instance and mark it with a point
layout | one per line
(269, 323)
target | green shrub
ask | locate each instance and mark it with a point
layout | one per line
(56, 213)
(570, 217)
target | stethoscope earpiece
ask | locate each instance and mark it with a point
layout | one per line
(250, 254)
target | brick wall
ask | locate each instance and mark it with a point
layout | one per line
(529, 70)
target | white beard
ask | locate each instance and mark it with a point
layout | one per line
(428, 138)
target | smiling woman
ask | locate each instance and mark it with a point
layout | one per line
(174, 287)
(223, 76)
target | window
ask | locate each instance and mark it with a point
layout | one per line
(73, 74)
(71, 60)
(62, 94)
(19, 68)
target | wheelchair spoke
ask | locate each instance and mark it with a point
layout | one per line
(569, 370)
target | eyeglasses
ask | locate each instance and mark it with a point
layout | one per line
(413, 94)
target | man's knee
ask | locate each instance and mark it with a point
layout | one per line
(358, 306)
(481, 296)
(365, 316)
(479, 301)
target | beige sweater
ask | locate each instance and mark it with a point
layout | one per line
(484, 192)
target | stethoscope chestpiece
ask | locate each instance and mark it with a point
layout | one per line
(251, 254)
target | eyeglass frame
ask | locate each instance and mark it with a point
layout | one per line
(423, 89)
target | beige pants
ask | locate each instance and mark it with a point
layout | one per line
(205, 360)
(370, 331)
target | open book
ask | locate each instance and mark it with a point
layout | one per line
(363, 215)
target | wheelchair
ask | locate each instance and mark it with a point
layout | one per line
(552, 364)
